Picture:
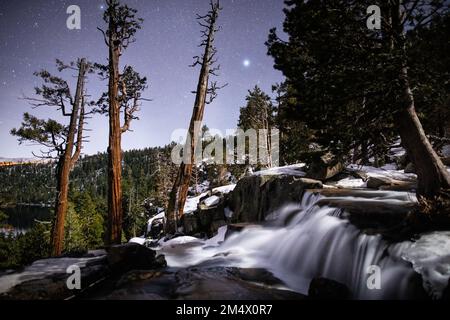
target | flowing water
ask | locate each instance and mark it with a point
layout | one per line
(303, 241)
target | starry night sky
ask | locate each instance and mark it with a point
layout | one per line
(34, 33)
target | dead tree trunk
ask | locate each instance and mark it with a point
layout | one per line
(180, 187)
(66, 162)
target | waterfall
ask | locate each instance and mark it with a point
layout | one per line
(303, 241)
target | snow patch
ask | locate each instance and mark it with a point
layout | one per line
(138, 240)
(191, 203)
(211, 201)
(225, 189)
(380, 172)
(293, 170)
(351, 183)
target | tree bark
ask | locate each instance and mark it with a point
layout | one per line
(64, 166)
(115, 210)
(431, 172)
(180, 188)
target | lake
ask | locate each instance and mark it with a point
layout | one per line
(22, 217)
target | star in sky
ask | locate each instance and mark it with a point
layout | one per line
(34, 33)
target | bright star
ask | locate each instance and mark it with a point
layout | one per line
(246, 63)
(102, 7)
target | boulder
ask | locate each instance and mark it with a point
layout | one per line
(255, 197)
(376, 182)
(124, 257)
(209, 216)
(198, 283)
(327, 289)
(324, 167)
(46, 279)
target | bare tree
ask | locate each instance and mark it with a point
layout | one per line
(205, 94)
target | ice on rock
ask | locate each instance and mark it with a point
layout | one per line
(430, 256)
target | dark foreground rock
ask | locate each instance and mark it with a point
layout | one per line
(124, 257)
(327, 289)
(47, 279)
(205, 283)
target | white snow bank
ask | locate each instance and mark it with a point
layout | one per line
(160, 215)
(211, 201)
(138, 240)
(351, 183)
(430, 256)
(293, 170)
(178, 241)
(192, 203)
(380, 172)
(225, 189)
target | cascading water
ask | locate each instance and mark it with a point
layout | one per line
(303, 241)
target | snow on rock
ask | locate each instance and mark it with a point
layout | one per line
(211, 201)
(430, 256)
(380, 172)
(179, 241)
(138, 240)
(293, 170)
(191, 203)
(351, 183)
(225, 189)
(160, 215)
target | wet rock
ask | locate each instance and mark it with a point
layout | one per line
(197, 283)
(376, 182)
(327, 289)
(46, 279)
(209, 216)
(124, 257)
(228, 284)
(256, 196)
